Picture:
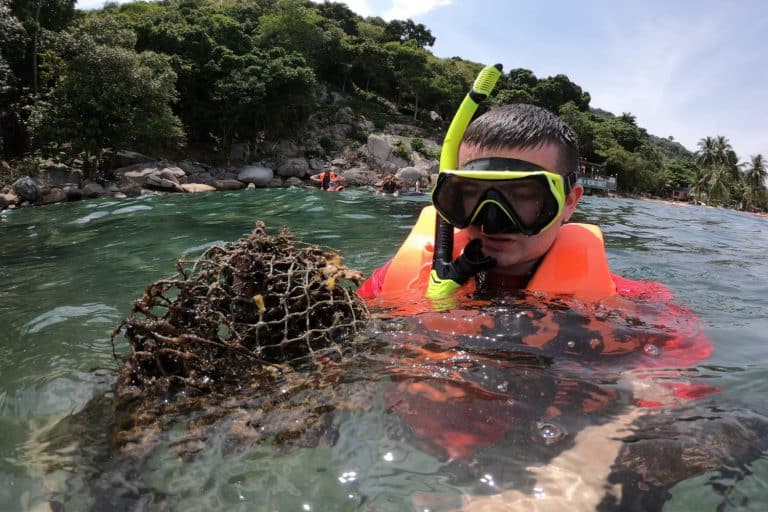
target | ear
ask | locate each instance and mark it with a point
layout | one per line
(571, 200)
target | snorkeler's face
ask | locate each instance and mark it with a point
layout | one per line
(517, 253)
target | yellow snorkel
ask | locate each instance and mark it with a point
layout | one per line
(447, 275)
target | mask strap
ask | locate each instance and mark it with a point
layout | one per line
(569, 180)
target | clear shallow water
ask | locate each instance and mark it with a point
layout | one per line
(69, 273)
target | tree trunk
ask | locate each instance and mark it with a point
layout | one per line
(35, 44)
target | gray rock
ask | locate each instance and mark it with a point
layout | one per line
(57, 175)
(197, 187)
(130, 188)
(168, 174)
(409, 174)
(257, 175)
(202, 177)
(73, 193)
(27, 189)
(138, 173)
(293, 182)
(228, 185)
(190, 167)
(128, 158)
(427, 166)
(54, 195)
(357, 177)
(388, 168)
(378, 147)
(92, 189)
(220, 173)
(155, 181)
(289, 148)
(298, 167)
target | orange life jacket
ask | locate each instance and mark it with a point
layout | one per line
(575, 265)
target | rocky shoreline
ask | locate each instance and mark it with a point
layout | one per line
(398, 155)
(384, 160)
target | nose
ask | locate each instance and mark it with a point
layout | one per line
(492, 220)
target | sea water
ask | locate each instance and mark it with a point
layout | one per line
(69, 272)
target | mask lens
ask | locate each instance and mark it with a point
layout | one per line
(527, 197)
(526, 201)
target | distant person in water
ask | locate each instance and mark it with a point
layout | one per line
(328, 180)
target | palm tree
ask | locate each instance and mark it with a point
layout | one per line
(707, 155)
(754, 180)
(720, 169)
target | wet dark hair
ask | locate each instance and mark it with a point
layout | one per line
(520, 125)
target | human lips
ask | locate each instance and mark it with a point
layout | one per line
(497, 242)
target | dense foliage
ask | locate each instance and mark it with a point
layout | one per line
(154, 76)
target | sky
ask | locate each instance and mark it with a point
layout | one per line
(686, 69)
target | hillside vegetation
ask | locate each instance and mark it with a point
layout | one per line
(194, 76)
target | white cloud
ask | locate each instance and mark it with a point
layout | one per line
(681, 77)
(403, 9)
(393, 9)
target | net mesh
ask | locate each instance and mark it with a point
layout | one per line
(237, 316)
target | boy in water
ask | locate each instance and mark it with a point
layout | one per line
(510, 199)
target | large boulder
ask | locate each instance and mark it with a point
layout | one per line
(156, 181)
(228, 185)
(293, 181)
(410, 175)
(92, 189)
(56, 174)
(73, 193)
(382, 151)
(378, 147)
(258, 175)
(360, 177)
(27, 189)
(190, 167)
(54, 195)
(138, 173)
(298, 167)
(197, 187)
(128, 158)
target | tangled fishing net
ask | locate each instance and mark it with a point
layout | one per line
(234, 322)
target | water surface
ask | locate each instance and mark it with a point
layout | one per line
(71, 271)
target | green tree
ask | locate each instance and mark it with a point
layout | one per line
(11, 46)
(267, 91)
(106, 96)
(521, 78)
(372, 65)
(626, 133)
(404, 31)
(508, 96)
(344, 17)
(719, 178)
(293, 25)
(552, 92)
(36, 17)
(581, 123)
(412, 70)
(755, 175)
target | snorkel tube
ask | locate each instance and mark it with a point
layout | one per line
(447, 275)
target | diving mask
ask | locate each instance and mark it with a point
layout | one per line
(520, 198)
